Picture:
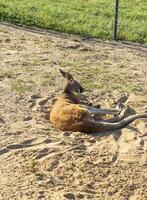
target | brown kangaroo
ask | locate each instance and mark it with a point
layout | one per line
(68, 114)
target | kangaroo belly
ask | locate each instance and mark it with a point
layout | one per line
(69, 118)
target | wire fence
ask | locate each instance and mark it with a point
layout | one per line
(115, 19)
(92, 18)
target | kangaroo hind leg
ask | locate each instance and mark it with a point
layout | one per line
(118, 117)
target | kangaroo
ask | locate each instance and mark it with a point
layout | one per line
(68, 114)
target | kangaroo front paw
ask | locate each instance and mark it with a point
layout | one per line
(123, 111)
(120, 107)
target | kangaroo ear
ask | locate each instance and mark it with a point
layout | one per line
(63, 73)
(66, 75)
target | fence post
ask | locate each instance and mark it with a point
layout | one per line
(115, 19)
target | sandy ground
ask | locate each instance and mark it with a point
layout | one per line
(39, 162)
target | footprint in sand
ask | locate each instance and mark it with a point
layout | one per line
(2, 121)
(44, 147)
(37, 102)
(25, 144)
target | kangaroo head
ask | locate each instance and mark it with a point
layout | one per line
(71, 84)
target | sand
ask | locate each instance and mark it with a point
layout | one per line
(39, 162)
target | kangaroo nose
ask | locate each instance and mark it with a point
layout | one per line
(81, 90)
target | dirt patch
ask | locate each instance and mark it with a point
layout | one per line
(39, 162)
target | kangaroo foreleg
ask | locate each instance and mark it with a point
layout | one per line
(118, 117)
(93, 110)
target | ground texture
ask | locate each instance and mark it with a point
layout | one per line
(39, 162)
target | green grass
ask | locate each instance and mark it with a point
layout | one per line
(83, 17)
(106, 79)
(33, 165)
(48, 80)
(20, 86)
(5, 74)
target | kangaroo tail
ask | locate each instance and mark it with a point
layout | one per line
(105, 126)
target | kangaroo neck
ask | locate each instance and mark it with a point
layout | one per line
(70, 97)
